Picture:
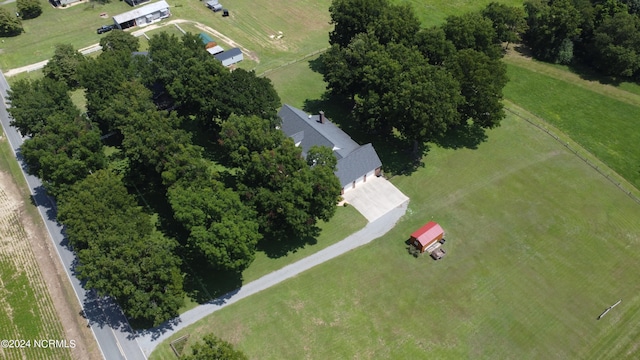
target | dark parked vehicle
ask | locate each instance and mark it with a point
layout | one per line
(105, 28)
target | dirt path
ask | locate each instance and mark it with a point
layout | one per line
(517, 58)
(64, 301)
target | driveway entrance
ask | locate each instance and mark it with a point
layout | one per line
(375, 198)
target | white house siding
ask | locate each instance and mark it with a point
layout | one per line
(232, 60)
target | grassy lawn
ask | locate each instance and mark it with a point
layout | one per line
(434, 12)
(27, 309)
(75, 25)
(297, 82)
(538, 246)
(602, 118)
(346, 221)
(304, 24)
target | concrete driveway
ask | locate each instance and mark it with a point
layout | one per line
(375, 198)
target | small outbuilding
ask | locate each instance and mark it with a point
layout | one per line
(230, 57)
(215, 50)
(207, 40)
(427, 236)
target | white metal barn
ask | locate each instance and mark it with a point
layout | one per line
(142, 16)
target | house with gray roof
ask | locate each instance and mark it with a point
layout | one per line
(356, 162)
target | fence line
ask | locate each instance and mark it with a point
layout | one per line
(293, 61)
(575, 152)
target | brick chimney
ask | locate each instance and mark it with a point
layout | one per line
(321, 117)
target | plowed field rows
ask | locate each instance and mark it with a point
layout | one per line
(28, 318)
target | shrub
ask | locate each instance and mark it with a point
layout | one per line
(9, 24)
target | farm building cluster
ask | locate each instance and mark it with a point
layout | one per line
(429, 238)
(226, 57)
(356, 163)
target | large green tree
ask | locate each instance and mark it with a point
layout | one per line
(29, 9)
(509, 22)
(433, 44)
(214, 348)
(10, 25)
(352, 17)
(102, 79)
(64, 65)
(119, 40)
(243, 93)
(66, 150)
(119, 252)
(481, 81)
(473, 31)
(221, 227)
(288, 194)
(616, 45)
(241, 136)
(33, 102)
(553, 27)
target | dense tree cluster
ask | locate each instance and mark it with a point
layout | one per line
(175, 123)
(64, 64)
(29, 9)
(420, 82)
(289, 193)
(120, 253)
(602, 34)
(10, 25)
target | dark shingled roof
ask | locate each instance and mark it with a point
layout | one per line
(228, 54)
(359, 162)
(306, 131)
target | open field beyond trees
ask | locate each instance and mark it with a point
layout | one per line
(602, 118)
(539, 244)
(27, 312)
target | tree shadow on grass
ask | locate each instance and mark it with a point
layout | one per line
(584, 71)
(202, 283)
(277, 248)
(396, 154)
(467, 137)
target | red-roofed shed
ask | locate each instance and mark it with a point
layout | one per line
(427, 236)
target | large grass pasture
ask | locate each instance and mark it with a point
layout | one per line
(539, 244)
(602, 118)
(27, 311)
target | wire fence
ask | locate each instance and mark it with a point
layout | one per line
(577, 153)
(293, 61)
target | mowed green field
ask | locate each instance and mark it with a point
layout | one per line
(28, 313)
(539, 244)
(602, 118)
(434, 12)
(75, 25)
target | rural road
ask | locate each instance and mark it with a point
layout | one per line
(149, 339)
(109, 325)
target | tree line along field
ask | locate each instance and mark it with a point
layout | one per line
(27, 309)
(539, 244)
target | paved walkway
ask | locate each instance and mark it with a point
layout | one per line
(375, 198)
(149, 339)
